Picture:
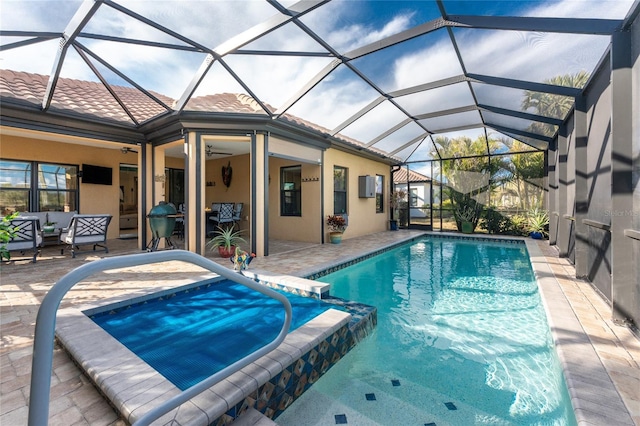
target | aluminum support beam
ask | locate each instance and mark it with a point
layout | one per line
(389, 132)
(444, 112)
(524, 133)
(521, 114)
(564, 225)
(581, 189)
(428, 86)
(552, 192)
(625, 289)
(414, 32)
(525, 85)
(538, 24)
(354, 117)
(79, 20)
(408, 144)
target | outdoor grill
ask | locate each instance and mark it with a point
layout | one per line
(162, 221)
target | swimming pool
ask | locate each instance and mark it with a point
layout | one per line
(224, 320)
(462, 338)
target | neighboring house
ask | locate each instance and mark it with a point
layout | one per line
(418, 192)
(288, 173)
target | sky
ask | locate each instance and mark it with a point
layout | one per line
(344, 26)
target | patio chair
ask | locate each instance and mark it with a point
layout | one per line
(225, 214)
(27, 235)
(180, 221)
(237, 213)
(86, 229)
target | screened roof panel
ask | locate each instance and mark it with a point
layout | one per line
(420, 151)
(463, 119)
(439, 99)
(531, 56)
(52, 15)
(539, 103)
(423, 59)
(108, 21)
(288, 38)
(515, 123)
(335, 67)
(102, 102)
(347, 25)
(275, 79)
(211, 22)
(335, 99)
(135, 61)
(535, 143)
(472, 133)
(374, 122)
(408, 132)
(21, 59)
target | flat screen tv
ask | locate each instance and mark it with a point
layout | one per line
(97, 174)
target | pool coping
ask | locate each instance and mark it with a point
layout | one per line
(594, 397)
(133, 387)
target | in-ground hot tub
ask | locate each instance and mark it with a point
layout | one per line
(269, 385)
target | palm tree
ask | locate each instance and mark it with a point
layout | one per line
(549, 105)
(468, 173)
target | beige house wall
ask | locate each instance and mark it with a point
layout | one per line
(363, 218)
(309, 227)
(293, 228)
(239, 191)
(96, 199)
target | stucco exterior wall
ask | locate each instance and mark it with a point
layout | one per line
(239, 191)
(92, 198)
(307, 227)
(363, 218)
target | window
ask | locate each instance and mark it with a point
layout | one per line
(379, 194)
(15, 186)
(54, 187)
(57, 187)
(339, 190)
(290, 191)
(413, 197)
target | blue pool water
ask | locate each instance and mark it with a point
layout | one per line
(462, 339)
(194, 333)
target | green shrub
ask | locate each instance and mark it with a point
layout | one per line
(6, 232)
(495, 222)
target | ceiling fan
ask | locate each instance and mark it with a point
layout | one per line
(209, 151)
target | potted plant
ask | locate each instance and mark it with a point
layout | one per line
(538, 221)
(226, 240)
(395, 199)
(49, 226)
(337, 224)
(465, 215)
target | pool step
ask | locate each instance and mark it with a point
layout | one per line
(253, 417)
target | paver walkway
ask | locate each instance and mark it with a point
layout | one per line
(75, 401)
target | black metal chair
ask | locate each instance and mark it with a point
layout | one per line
(27, 235)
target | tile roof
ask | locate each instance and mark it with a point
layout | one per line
(80, 97)
(400, 176)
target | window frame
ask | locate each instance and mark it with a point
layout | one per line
(340, 194)
(379, 194)
(34, 189)
(294, 194)
(413, 197)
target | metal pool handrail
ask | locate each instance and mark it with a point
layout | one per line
(46, 325)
